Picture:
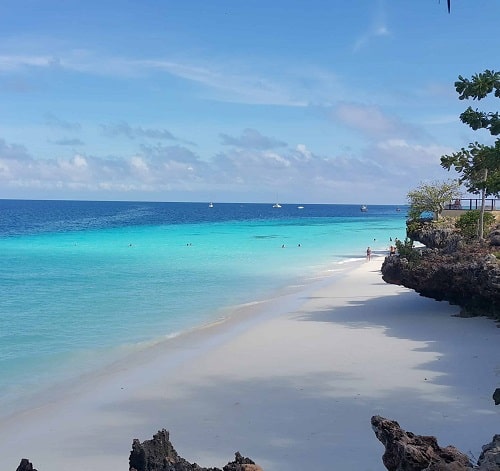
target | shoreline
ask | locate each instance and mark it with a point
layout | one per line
(293, 382)
(228, 318)
(94, 367)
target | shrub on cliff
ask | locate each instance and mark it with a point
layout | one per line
(406, 250)
(468, 223)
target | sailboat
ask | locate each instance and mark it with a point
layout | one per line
(276, 205)
(210, 205)
(363, 208)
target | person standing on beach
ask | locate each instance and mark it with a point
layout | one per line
(368, 253)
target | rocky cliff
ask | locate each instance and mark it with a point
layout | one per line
(450, 268)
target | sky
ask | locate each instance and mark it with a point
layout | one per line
(296, 101)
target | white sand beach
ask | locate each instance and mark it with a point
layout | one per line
(292, 383)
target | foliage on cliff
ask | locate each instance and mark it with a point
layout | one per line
(469, 222)
(431, 198)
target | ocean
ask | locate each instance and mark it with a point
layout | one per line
(84, 283)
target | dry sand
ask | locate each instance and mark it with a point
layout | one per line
(291, 383)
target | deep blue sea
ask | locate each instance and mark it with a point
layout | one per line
(81, 283)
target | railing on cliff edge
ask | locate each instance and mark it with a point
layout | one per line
(471, 203)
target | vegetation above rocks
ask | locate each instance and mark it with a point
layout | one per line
(432, 198)
(468, 224)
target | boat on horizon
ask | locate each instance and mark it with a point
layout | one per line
(210, 205)
(363, 208)
(276, 205)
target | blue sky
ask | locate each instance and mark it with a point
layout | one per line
(306, 101)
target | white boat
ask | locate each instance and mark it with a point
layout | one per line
(363, 208)
(210, 205)
(276, 205)
(300, 207)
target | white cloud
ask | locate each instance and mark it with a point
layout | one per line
(381, 31)
(139, 163)
(393, 163)
(413, 155)
(229, 81)
(374, 123)
(304, 151)
(377, 29)
(368, 119)
(80, 162)
(15, 62)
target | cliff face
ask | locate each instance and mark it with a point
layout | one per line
(452, 269)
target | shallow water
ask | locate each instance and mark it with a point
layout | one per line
(83, 282)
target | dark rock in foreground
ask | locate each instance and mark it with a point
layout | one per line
(496, 396)
(489, 460)
(405, 451)
(159, 454)
(25, 465)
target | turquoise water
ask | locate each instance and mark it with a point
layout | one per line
(83, 282)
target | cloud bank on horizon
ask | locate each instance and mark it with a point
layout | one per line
(318, 102)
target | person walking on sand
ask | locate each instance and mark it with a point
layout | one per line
(368, 253)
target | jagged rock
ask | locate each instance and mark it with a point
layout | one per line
(445, 238)
(159, 454)
(25, 465)
(405, 451)
(468, 275)
(496, 396)
(489, 460)
(241, 464)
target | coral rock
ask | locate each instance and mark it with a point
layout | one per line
(489, 460)
(496, 396)
(405, 451)
(159, 454)
(25, 465)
